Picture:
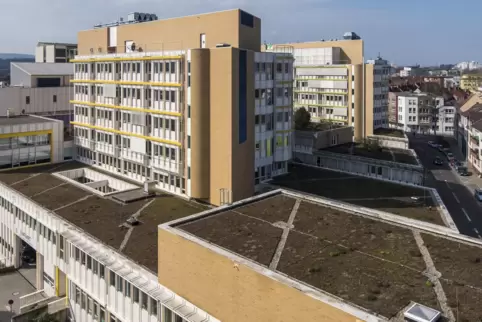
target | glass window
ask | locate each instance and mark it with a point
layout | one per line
(167, 314)
(136, 294)
(112, 278)
(144, 299)
(127, 288)
(101, 271)
(153, 307)
(84, 300)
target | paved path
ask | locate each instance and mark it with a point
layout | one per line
(465, 210)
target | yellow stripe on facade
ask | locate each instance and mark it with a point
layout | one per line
(127, 108)
(98, 81)
(327, 79)
(318, 105)
(324, 66)
(112, 59)
(57, 290)
(150, 138)
(308, 92)
(17, 134)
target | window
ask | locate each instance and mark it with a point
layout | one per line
(84, 300)
(89, 262)
(135, 291)
(167, 314)
(27, 100)
(153, 307)
(82, 258)
(144, 300)
(112, 278)
(55, 98)
(127, 288)
(101, 271)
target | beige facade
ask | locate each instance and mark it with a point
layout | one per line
(234, 292)
(334, 84)
(201, 142)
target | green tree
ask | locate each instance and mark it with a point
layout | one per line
(45, 317)
(302, 119)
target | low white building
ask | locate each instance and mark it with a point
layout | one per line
(39, 89)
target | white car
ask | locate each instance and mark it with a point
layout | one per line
(478, 194)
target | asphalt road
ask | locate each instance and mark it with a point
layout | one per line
(465, 210)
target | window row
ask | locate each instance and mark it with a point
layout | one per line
(29, 221)
(270, 67)
(127, 67)
(85, 260)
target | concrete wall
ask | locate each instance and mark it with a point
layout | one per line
(391, 171)
(19, 77)
(241, 294)
(41, 100)
(177, 33)
(391, 142)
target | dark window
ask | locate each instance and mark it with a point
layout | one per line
(189, 172)
(188, 141)
(246, 19)
(243, 109)
(48, 82)
(55, 99)
(27, 100)
(189, 111)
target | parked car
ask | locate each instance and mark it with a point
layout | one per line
(450, 156)
(478, 194)
(438, 161)
(463, 171)
(432, 144)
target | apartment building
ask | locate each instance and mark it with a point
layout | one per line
(423, 113)
(471, 81)
(201, 112)
(39, 89)
(53, 52)
(333, 82)
(468, 129)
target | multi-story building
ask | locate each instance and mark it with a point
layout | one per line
(471, 81)
(39, 89)
(196, 111)
(333, 82)
(468, 126)
(419, 113)
(27, 140)
(53, 52)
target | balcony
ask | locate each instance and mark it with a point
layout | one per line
(137, 157)
(474, 140)
(84, 142)
(166, 164)
(475, 153)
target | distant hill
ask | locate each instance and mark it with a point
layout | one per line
(16, 56)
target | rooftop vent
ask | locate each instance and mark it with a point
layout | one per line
(132, 221)
(421, 313)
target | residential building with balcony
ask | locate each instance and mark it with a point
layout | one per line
(194, 112)
(333, 82)
(420, 113)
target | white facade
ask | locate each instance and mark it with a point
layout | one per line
(97, 283)
(425, 114)
(381, 74)
(273, 114)
(54, 52)
(137, 129)
(30, 140)
(406, 72)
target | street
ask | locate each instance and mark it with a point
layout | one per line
(465, 210)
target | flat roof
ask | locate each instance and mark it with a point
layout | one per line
(23, 119)
(397, 199)
(46, 69)
(102, 217)
(378, 266)
(385, 154)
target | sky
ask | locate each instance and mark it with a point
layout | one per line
(404, 32)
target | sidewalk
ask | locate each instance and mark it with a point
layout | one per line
(471, 182)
